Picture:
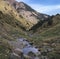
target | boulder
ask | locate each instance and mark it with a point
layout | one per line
(18, 51)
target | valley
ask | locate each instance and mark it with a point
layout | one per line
(39, 32)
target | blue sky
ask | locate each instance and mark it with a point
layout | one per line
(50, 7)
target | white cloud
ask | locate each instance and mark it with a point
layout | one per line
(24, 0)
(46, 9)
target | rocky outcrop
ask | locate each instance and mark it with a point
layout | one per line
(28, 13)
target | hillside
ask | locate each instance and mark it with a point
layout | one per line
(24, 23)
(28, 13)
(48, 37)
(10, 28)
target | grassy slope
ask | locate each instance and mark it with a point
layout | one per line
(8, 9)
(49, 37)
(48, 32)
(9, 28)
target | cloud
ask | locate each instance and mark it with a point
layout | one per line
(23, 0)
(47, 9)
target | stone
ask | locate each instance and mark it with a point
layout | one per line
(18, 51)
(26, 56)
(14, 56)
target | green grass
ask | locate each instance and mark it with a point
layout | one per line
(5, 49)
(55, 31)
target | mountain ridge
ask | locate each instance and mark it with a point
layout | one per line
(28, 13)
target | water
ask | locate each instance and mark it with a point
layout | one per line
(29, 48)
(26, 48)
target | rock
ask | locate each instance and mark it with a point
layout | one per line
(44, 57)
(45, 44)
(31, 54)
(18, 51)
(14, 56)
(53, 45)
(26, 56)
(31, 43)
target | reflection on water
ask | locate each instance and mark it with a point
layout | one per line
(26, 48)
(29, 48)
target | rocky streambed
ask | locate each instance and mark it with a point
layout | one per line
(23, 49)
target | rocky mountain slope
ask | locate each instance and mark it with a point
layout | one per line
(28, 13)
(24, 23)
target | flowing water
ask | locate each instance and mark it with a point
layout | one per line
(27, 49)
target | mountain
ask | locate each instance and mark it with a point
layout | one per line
(28, 13)
(26, 25)
(32, 17)
(6, 8)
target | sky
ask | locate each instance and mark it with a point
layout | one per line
(50, 7)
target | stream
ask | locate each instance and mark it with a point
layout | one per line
(23, 49)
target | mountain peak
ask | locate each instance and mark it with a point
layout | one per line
(31, 16)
